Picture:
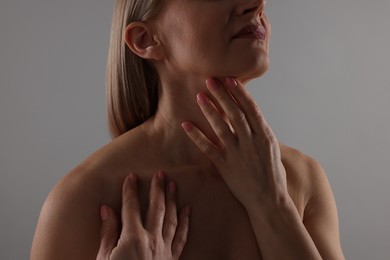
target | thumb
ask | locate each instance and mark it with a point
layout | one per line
(109, 233)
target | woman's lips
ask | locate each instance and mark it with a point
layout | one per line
(251, 31)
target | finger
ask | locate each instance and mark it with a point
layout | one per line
(181, 233)
(255, 117)
(170, 220)
(220, 127)
(156, 211)
(109, 233)
(203, 143)
(131, 214)
(235, 115)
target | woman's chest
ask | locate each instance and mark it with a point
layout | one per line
(219, 225)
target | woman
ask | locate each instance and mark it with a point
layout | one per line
(177, 73)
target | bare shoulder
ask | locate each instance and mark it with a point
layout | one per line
(69, 223)
(69, 220)
(320, 215)
(304, 171)
(300, 171)
(297, 160)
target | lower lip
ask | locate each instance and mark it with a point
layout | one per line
(256, 35)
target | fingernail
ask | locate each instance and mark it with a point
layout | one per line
(104, 212)
(202, 98)
(161, 175)
(231, 82)
(133, 177)
(187, 127)
(212, 84)
(187, 211)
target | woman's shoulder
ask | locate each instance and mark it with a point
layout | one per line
(304, 174)
(102, 168)
(320, 215)
(109, 160)
(69, 222)
(296, 159)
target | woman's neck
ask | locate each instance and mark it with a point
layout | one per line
(178, 104)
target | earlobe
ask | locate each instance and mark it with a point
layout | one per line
(140, 40)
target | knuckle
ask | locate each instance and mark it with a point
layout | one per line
(109, 232)
(219, 95)
(207, 149)
(139, 241)
(239, 117)
(268, 141)
(131, 203)
(224, 134)
(154, 242)
(182, 241)
(254, 107)
(172, 221)
(257, 113)
(159, 208)
(270, 137)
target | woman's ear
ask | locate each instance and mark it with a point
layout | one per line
(140, 40)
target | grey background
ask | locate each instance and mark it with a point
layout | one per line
(326, 93)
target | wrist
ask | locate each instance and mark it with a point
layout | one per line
(279, 207)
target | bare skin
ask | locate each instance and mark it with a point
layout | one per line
(221, 224)
(197, 187)
(161, 236)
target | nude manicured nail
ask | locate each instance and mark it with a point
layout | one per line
(202, 98)
(104, 212)
(133, 177)
(187, 211)
(232, 82)
(212, 84)
(161, 175)
(187, 127)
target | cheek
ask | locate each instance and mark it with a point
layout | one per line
(195, 49)
(192, 40)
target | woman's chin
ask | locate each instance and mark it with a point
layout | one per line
(253, 73)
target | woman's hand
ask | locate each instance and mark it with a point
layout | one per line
(163, 237)
(248, 156)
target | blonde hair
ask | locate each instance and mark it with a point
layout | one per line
(132, 83)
